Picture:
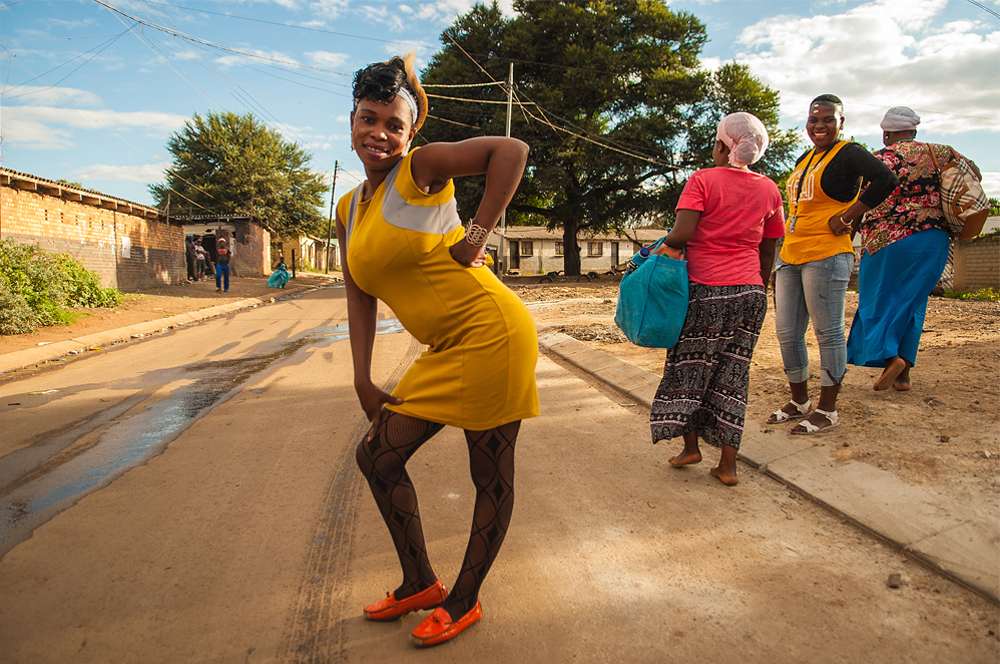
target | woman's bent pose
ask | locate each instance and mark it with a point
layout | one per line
(402, 242)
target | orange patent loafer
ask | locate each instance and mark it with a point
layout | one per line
(391, 608)
(438, 627)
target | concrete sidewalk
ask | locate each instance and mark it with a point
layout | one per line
(925, 526)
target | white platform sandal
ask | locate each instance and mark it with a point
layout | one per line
(811, 428)
(802, 410)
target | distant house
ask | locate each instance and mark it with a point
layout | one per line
(310, 251)
(248, 238)
(538, 250)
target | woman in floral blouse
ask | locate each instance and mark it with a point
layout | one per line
(905, 247)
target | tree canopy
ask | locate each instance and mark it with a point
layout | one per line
(612, 100)
(225, 163)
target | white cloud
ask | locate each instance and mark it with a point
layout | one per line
(236, 59)
(49, 128)
(328, 9)
(877, 55)
(327, 59)
(44, 95)
(26, 131)
(72, 24)
(142, 173)
(991, 184)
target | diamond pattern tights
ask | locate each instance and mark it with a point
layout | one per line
(491, 460)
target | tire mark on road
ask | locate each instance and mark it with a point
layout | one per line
(315, 631)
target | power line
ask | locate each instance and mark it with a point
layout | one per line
(110, 41)
(476, 101)
(283, 25)
(984, 8)
(205, 42)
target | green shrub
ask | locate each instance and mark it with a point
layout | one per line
(36, 288)
(990, 294)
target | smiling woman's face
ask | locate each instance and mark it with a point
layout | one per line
(824, 124)
(381, 133)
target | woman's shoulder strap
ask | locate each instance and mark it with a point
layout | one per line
(352, 209)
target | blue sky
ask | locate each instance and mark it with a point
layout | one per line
(91, 96)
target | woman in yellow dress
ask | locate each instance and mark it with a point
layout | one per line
(403, 243)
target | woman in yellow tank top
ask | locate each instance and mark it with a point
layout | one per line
(825, 206)
(402, 242)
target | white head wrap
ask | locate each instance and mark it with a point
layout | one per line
(746, 137)
(900, 118)
(406, 96)
(410, 101)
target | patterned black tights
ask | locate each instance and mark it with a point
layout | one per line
(491, 461)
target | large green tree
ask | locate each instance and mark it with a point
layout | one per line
(225, 163)
(616, 107)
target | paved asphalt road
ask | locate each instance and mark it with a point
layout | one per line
(194, 498)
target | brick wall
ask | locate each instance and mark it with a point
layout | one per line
(253, 251)
(156, 253)
(125, 243)
(977, 264)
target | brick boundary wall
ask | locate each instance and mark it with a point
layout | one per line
(129, 245)
(977, 264)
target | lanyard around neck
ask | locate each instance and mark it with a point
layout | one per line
(806, 171)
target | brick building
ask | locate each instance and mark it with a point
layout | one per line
(977, 262)
(129, 245)
(249, 239)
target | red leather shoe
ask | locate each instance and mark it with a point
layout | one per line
(438, 627)
(391, 608)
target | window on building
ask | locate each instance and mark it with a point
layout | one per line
(559, 248)
(595, 248)
(527, 248)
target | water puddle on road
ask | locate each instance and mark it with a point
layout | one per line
(335, 333)
(133, 439)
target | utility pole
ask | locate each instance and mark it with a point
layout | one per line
(503, 215)
(329, 230)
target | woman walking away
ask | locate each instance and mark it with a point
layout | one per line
(728, 218)
(905, 242)
(816, 259)
(403, 243)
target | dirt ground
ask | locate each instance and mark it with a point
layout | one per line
(942, 435)
(153, 303)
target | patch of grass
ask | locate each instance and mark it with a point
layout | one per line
(37, 288)
(990, 294)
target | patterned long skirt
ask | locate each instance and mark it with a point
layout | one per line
(707, 374)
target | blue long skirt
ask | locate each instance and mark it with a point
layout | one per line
(893, 286)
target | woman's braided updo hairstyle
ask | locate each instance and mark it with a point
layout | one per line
(382, 81)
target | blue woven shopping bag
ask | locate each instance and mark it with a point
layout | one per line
(653, 300)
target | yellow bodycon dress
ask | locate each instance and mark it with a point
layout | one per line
(479, 370)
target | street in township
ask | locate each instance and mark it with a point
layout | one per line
(194, 498)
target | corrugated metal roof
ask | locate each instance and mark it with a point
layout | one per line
(8, 176)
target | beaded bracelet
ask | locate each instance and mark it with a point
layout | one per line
(476, 235)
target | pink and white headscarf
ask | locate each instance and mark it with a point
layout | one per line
(746, 136)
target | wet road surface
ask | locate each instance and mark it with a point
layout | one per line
(44, 478)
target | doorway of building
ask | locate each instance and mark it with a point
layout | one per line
(515, 254)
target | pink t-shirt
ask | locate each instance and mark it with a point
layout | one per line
(738, 209)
